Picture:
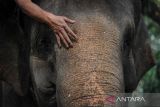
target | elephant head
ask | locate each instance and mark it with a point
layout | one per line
(103, 61)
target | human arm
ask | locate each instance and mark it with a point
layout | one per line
(59, 24)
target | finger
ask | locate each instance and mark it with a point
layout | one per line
(68, 29)
(69, 20)
(66, 37)
(58, 40)
(64, 41)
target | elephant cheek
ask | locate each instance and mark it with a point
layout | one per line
(91, 70)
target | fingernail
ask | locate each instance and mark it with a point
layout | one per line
(76, 39)
(67, 47)
(71, 44)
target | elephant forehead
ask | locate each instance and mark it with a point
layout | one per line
(99, 42)
(95, 33)
(95, 25)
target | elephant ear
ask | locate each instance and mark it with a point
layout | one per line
(15, 57)
(141, 50)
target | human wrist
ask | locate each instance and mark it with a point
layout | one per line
(48, 18)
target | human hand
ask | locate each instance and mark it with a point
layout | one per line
(59, 24)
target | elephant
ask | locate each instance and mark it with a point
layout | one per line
(106, 60)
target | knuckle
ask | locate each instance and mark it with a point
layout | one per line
(63, 25)
(70, 42)
(61, 29)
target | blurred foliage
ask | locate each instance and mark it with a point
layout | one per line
(157, 2)
(150, 83)
(154, 35)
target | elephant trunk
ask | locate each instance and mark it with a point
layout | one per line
(91, 70)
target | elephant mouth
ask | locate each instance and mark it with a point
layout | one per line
(96, 100)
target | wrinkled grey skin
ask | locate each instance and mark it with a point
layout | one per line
(105, 60)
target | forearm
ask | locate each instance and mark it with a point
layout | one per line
(33, 10)
(59, 24)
